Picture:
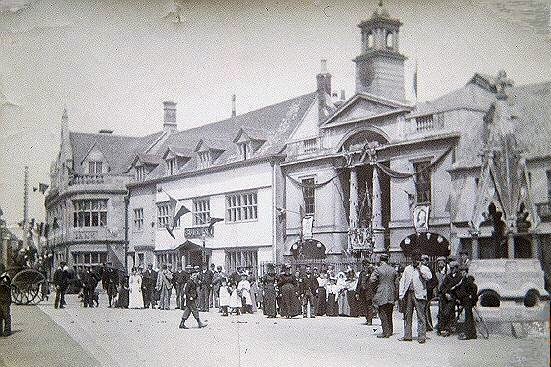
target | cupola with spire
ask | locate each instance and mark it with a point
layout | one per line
(380, 66)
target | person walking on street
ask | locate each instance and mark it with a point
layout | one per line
(189, 293)
(384, 280)
(164, 286)
(413, 293)
(364, 291)
(61, 282)
(5, 302)
(89, 284)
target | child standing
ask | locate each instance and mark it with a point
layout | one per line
(224, 296)
(235, 299)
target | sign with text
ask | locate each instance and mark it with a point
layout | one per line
(198, 232)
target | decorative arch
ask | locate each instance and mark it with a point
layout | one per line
(432, 244)
(368, 134)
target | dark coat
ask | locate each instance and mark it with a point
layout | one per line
(179, 278)
(206, 278)
(190, 290)
(5, 289)
(308, 283)
(149, 279)
(365, 285)
(384, 277)
(90, 280)
(61, 278)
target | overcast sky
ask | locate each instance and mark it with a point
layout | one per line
(112, 63)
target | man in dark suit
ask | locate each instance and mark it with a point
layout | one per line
(112, 283)
(308, 290)
(179, 279)
(384, 278)
(61, 282)
(89, 284)
(205, 285)
(189, 295)
(5, 302)
(364, 291)
(149, 279)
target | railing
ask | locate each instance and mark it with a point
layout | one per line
(429, 122)
(544, 211)
(310, 145)
(86, 179)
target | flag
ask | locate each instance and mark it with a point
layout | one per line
(213, 221)
(183, 210)
(170, 232)
(415, 80)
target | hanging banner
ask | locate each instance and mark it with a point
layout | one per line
(421, 218)
(307, 225)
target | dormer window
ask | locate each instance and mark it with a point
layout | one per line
(244, 150)
(95, 168)
(171, 166)
(140, 173)
(204, 159)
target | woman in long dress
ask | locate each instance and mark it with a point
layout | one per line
(254, 292)
(323, 281)
(332, 308)
(270, 294)
(244, 288)
(135, 289)
(287, 284)
(344, 307)
(353, 303)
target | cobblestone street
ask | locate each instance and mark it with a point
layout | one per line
(122, 337)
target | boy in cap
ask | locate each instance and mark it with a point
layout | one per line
(189, 295)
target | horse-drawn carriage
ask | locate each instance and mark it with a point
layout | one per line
(26, 285)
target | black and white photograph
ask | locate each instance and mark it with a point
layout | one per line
(268, 183)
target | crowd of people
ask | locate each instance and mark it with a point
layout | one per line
(374, 291)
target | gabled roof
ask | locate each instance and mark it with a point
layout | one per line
(119, 151)
(392, 105)
(252, 133)
(211, 144)
(277, 121)
(147, 159)
(178, 152)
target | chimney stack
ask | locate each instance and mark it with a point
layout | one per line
(233, 109)
(324, 91)
(169, 124)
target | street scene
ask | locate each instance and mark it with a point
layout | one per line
(275, 183)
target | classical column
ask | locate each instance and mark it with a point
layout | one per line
(353, 216)
(511, 245)
(475, 246)
(377, 220)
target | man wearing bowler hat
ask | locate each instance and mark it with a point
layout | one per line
(189, 296)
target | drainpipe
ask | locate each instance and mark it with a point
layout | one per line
(126, 203)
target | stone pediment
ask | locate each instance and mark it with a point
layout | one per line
(364, 106)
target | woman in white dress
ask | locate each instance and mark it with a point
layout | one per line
(244, 287)
(135, 288)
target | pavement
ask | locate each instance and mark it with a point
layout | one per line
(123, 337)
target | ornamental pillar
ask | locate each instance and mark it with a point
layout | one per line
(353, 212)
(377, 220)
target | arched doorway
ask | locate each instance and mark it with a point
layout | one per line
(308, 249)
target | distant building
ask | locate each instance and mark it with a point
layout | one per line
(357, 169)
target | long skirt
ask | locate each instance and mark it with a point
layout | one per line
(269, 301)
(332, 306)
(322, 303)
(290, 305)
(355, 307)
(123, 298)
(344, 307)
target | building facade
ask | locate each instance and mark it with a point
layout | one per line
(357, 169)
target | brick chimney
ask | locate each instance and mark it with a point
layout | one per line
(169, 123)
(324, 91)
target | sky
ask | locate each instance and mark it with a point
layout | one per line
(112, 63)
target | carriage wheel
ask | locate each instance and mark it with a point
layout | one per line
(17, 295)
(26, 286)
